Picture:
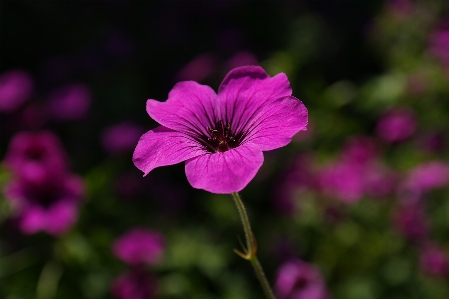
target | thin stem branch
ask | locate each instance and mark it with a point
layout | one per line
(250, 252)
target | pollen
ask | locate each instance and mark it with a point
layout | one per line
(221, 138)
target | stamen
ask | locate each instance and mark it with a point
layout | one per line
(221, 138)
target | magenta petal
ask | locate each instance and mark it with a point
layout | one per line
(191, 107)
(61, 217)
(246, 91)
(162, 146)
(276, 124)
(225, 172)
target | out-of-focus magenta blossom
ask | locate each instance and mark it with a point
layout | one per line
(357, 173)
(241, 58)
(430, 175)
(51, 207)
(198, 69)
(434, 261)
(121, 137)
(221, 136)
(423, 178)
(396, 125)
(45, 196)
(16, 86)
(69, 102)
(412, 222)
(296, 181)
(134, 284)
(139, 245)
(297, 279)
(36, 158)
(439, 45)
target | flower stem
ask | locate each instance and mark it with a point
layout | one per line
(249, 253)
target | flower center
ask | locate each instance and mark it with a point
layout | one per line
(221, 138)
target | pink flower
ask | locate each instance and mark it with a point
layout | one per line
(221, 136)
(121, 137)
(412, 222)
(45, 196)
(297, 279)
(198, 69)
(139, 245)
(423, 178)
(52, 208)
(396, 125)
(434, 261)
(70, 102)
(439, 45)
(36, 158)
(16, 87)
(356, 173)
(134, 284)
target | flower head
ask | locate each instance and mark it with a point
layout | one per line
(297, 279)
(221, 136)
(139, 246)
(16, 87)
(134, 284)
(44, 194)
(70, 102)
(396, 125)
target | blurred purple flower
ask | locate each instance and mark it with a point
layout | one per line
(69, 102)
(51, 207)
(411, 221)
(297, 279)
(396, 125)
(439, 45)
(121, 137)
(423, 178)
(295, 182)
(45, 196)
(434, 261)
(343, 180)
(36, 158)
(198, 69)
(358, 172)
(16, 86)
(221, 137)
(134, 284)
(139, 245)
(240, 59)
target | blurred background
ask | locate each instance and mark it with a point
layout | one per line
(356, 207)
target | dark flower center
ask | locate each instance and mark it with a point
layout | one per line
(35, 153)
(221, 138)
(300, 284)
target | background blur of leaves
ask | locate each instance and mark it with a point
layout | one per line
(348, 61)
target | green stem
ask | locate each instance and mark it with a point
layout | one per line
(251, 250)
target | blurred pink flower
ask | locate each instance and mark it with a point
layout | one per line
(36, 158)
(198, 69)
(251, 113)
(357, 172)
(51, 207)
(434, 261)
(297, 279)
(423, 178)
(134, 284)
(241, 58)
(397, 124)
(121, 137)
(139, 245)
(411, 221)
(439, 45)
(45, 196)
(16, 87)
(69, 102)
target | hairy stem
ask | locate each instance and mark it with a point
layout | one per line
(249, 253)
